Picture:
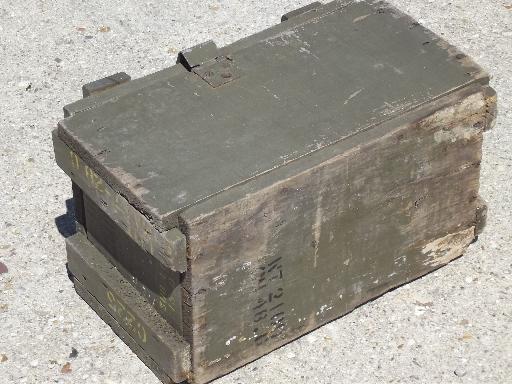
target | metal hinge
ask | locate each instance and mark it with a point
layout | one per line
(206, 61)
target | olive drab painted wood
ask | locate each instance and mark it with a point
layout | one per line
(127, 308)
(251, 193)
(334, 236)
(169, 247)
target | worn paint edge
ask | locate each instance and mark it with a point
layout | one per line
(444, 249)
(209, 207)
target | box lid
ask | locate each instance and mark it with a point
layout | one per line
(223, 116)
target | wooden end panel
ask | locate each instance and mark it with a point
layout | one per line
(119, 331)
(130, 310)
(169, 247)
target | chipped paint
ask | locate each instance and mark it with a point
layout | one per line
(473, 104)
(361, 18)
(447, 248)
(308, 52)
(397, 70)
(217, 278)
(456, 133)
(282, 39)
(317, 226)
(353, 95)
(210, 363)
(219, 281)
(245, 266)
(401, 260)
(180, 197)
(324, 308)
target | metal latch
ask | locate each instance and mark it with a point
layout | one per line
(206, 61)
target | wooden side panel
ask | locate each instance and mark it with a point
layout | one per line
(282, 261)
(131, 312)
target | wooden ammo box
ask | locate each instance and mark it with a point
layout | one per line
(251, 193)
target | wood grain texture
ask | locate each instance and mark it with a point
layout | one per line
(157, 283)
(123, 335)
(303, 251)
(130, 310)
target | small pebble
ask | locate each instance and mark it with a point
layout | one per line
(74, 353)
(24, 84)
(66, 368)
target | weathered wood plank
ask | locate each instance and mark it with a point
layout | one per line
(169, 247)
(119, 331)
(158, 284)
(313, 246)
(130, 310)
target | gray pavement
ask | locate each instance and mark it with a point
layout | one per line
(453, 326)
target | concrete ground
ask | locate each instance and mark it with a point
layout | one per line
(453, 326)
